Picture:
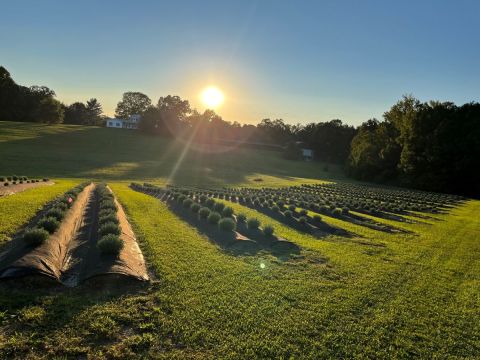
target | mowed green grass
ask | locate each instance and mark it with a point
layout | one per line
(375, 295)
(117, 154)
(16, 210)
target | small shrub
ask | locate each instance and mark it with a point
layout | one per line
(226, 224)
(345, 211)
(253, 223)
(303, 212)
(108, 204)
(109, 228)
(45, 180)
(5, 183)
(214, 218)
(241, 218)
(181, 198)
(210, 203)
(337, 211)
(35, 236)
(57, 213)
(110, 245)
(106, 212)
(219, 207)
(2, 178)
(280, 203)
(50, 224)
(195, 207)
(288, 214)
(203, 198)
(187, 203)
(275, 208)
(268, 230)
(302, 220)
(292, 208)
(317, 218)
(227, 212)
(61, 205)
(108, 218)
(204, 212)
(15, 177)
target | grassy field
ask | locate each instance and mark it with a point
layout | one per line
(376, 295)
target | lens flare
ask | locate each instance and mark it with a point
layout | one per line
(212, 97)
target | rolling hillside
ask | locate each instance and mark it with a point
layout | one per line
(90, 152)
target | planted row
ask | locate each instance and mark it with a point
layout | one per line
(108, 223)
(50, 222)
(217, 213)
(14, 180)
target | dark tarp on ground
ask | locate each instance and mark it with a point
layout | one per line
(46, 259)
(70, 255)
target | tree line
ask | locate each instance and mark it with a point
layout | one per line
(432, 145)
(38, 104)
(174, 117)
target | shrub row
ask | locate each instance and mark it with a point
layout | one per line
(109, 231)
(50, 222)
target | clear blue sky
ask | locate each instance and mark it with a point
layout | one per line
(301, 61)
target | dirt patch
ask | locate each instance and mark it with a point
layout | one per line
(13, 189)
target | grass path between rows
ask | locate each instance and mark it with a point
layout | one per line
(415, 296)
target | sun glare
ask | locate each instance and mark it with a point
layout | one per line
(212, 97)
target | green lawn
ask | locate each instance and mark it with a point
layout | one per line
(376, 295)
(69, 151)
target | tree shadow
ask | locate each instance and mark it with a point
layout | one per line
(318, 229)
(114, 154)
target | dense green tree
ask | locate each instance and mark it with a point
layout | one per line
(292, 151)
(49, 110)
(94, 112)
(432, 146)
(76, 113)
(132, 103)
(276, 131)
(329, 140)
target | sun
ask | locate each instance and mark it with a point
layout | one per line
(212, 97)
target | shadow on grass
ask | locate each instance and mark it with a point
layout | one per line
(318, 229)
(242, 242)
(114, 154)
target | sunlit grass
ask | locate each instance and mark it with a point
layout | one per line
(16, 210)
(373, 295)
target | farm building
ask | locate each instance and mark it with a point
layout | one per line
(130, 123)
(307, 154)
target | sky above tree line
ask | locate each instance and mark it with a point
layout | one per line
(303, 61)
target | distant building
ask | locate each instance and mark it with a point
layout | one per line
(307, 153)
(131, 123)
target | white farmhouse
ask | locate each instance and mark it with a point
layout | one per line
(130, 123)
(307, 154)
